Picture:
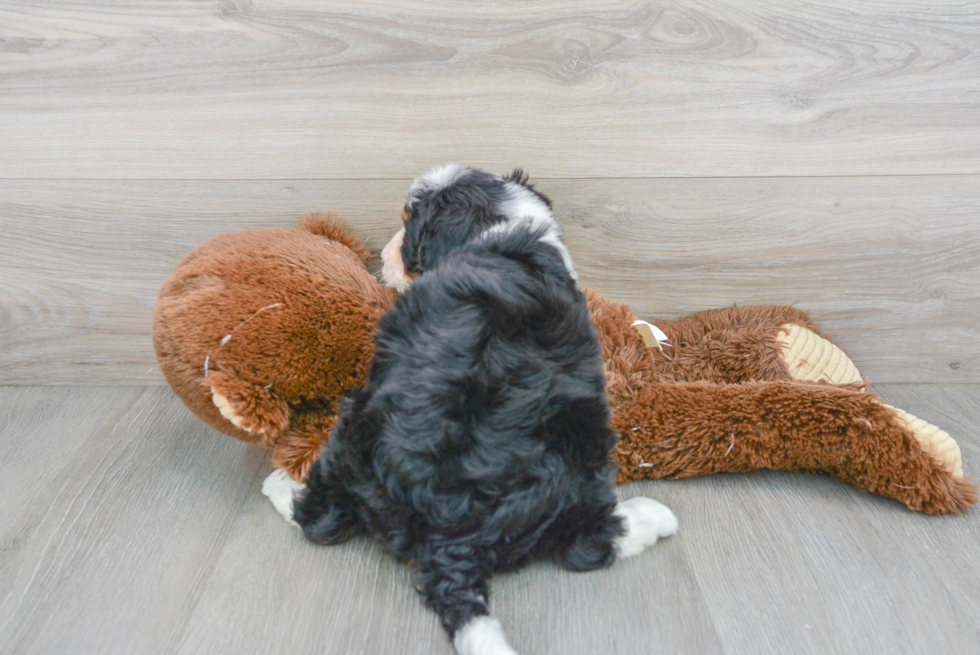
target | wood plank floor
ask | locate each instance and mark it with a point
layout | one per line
(129, 527)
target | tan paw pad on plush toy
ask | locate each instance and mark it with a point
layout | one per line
(934, 441)
(811, 358)
(224, 406)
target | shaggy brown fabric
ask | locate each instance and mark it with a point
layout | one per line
(627, 362)
(276, 320)
(298, 447)
(730, 345)
(720, 399)
(300, 308)
(680, 430)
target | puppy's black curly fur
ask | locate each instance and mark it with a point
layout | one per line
(482, 438)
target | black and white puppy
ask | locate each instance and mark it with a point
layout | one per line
(482, 438)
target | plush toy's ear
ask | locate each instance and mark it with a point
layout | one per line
(325, 225)
(250, 407)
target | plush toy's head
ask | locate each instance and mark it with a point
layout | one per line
(261, 332)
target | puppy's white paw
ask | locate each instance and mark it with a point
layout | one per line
(224, 406)
(645, 521)
(482, 636)
(281, 490)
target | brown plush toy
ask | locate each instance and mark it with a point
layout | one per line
(260, 333)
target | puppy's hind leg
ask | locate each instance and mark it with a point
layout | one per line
(453, 582)
(583, 537)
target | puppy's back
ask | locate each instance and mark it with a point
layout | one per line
(489, 369)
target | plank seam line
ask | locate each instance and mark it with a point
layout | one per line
(540, 179)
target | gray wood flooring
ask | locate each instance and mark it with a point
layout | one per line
(128, 527)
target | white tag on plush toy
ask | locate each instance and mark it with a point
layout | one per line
(652, 335)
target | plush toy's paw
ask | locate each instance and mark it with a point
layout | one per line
(645, 521)
(811, 358)
(248, 407)
(281, 490)
(224, 406)
(942, 447)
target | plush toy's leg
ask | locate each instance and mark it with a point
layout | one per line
(740, 344)
(729, 345)
(680, 430)
(732, 344)
(943, 449)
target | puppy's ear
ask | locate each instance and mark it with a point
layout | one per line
(518, 176)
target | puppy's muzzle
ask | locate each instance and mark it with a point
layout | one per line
(393, 273)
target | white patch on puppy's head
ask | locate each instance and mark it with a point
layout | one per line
(524, 207)
(436, 179)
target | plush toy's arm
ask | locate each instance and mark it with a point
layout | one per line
(740, 344)
(680, 430)
(735, 344)
(298, 448)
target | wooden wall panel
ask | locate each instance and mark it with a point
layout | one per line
(368, 89)
(889, 266)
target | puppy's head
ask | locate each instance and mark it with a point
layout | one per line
(452, 205)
